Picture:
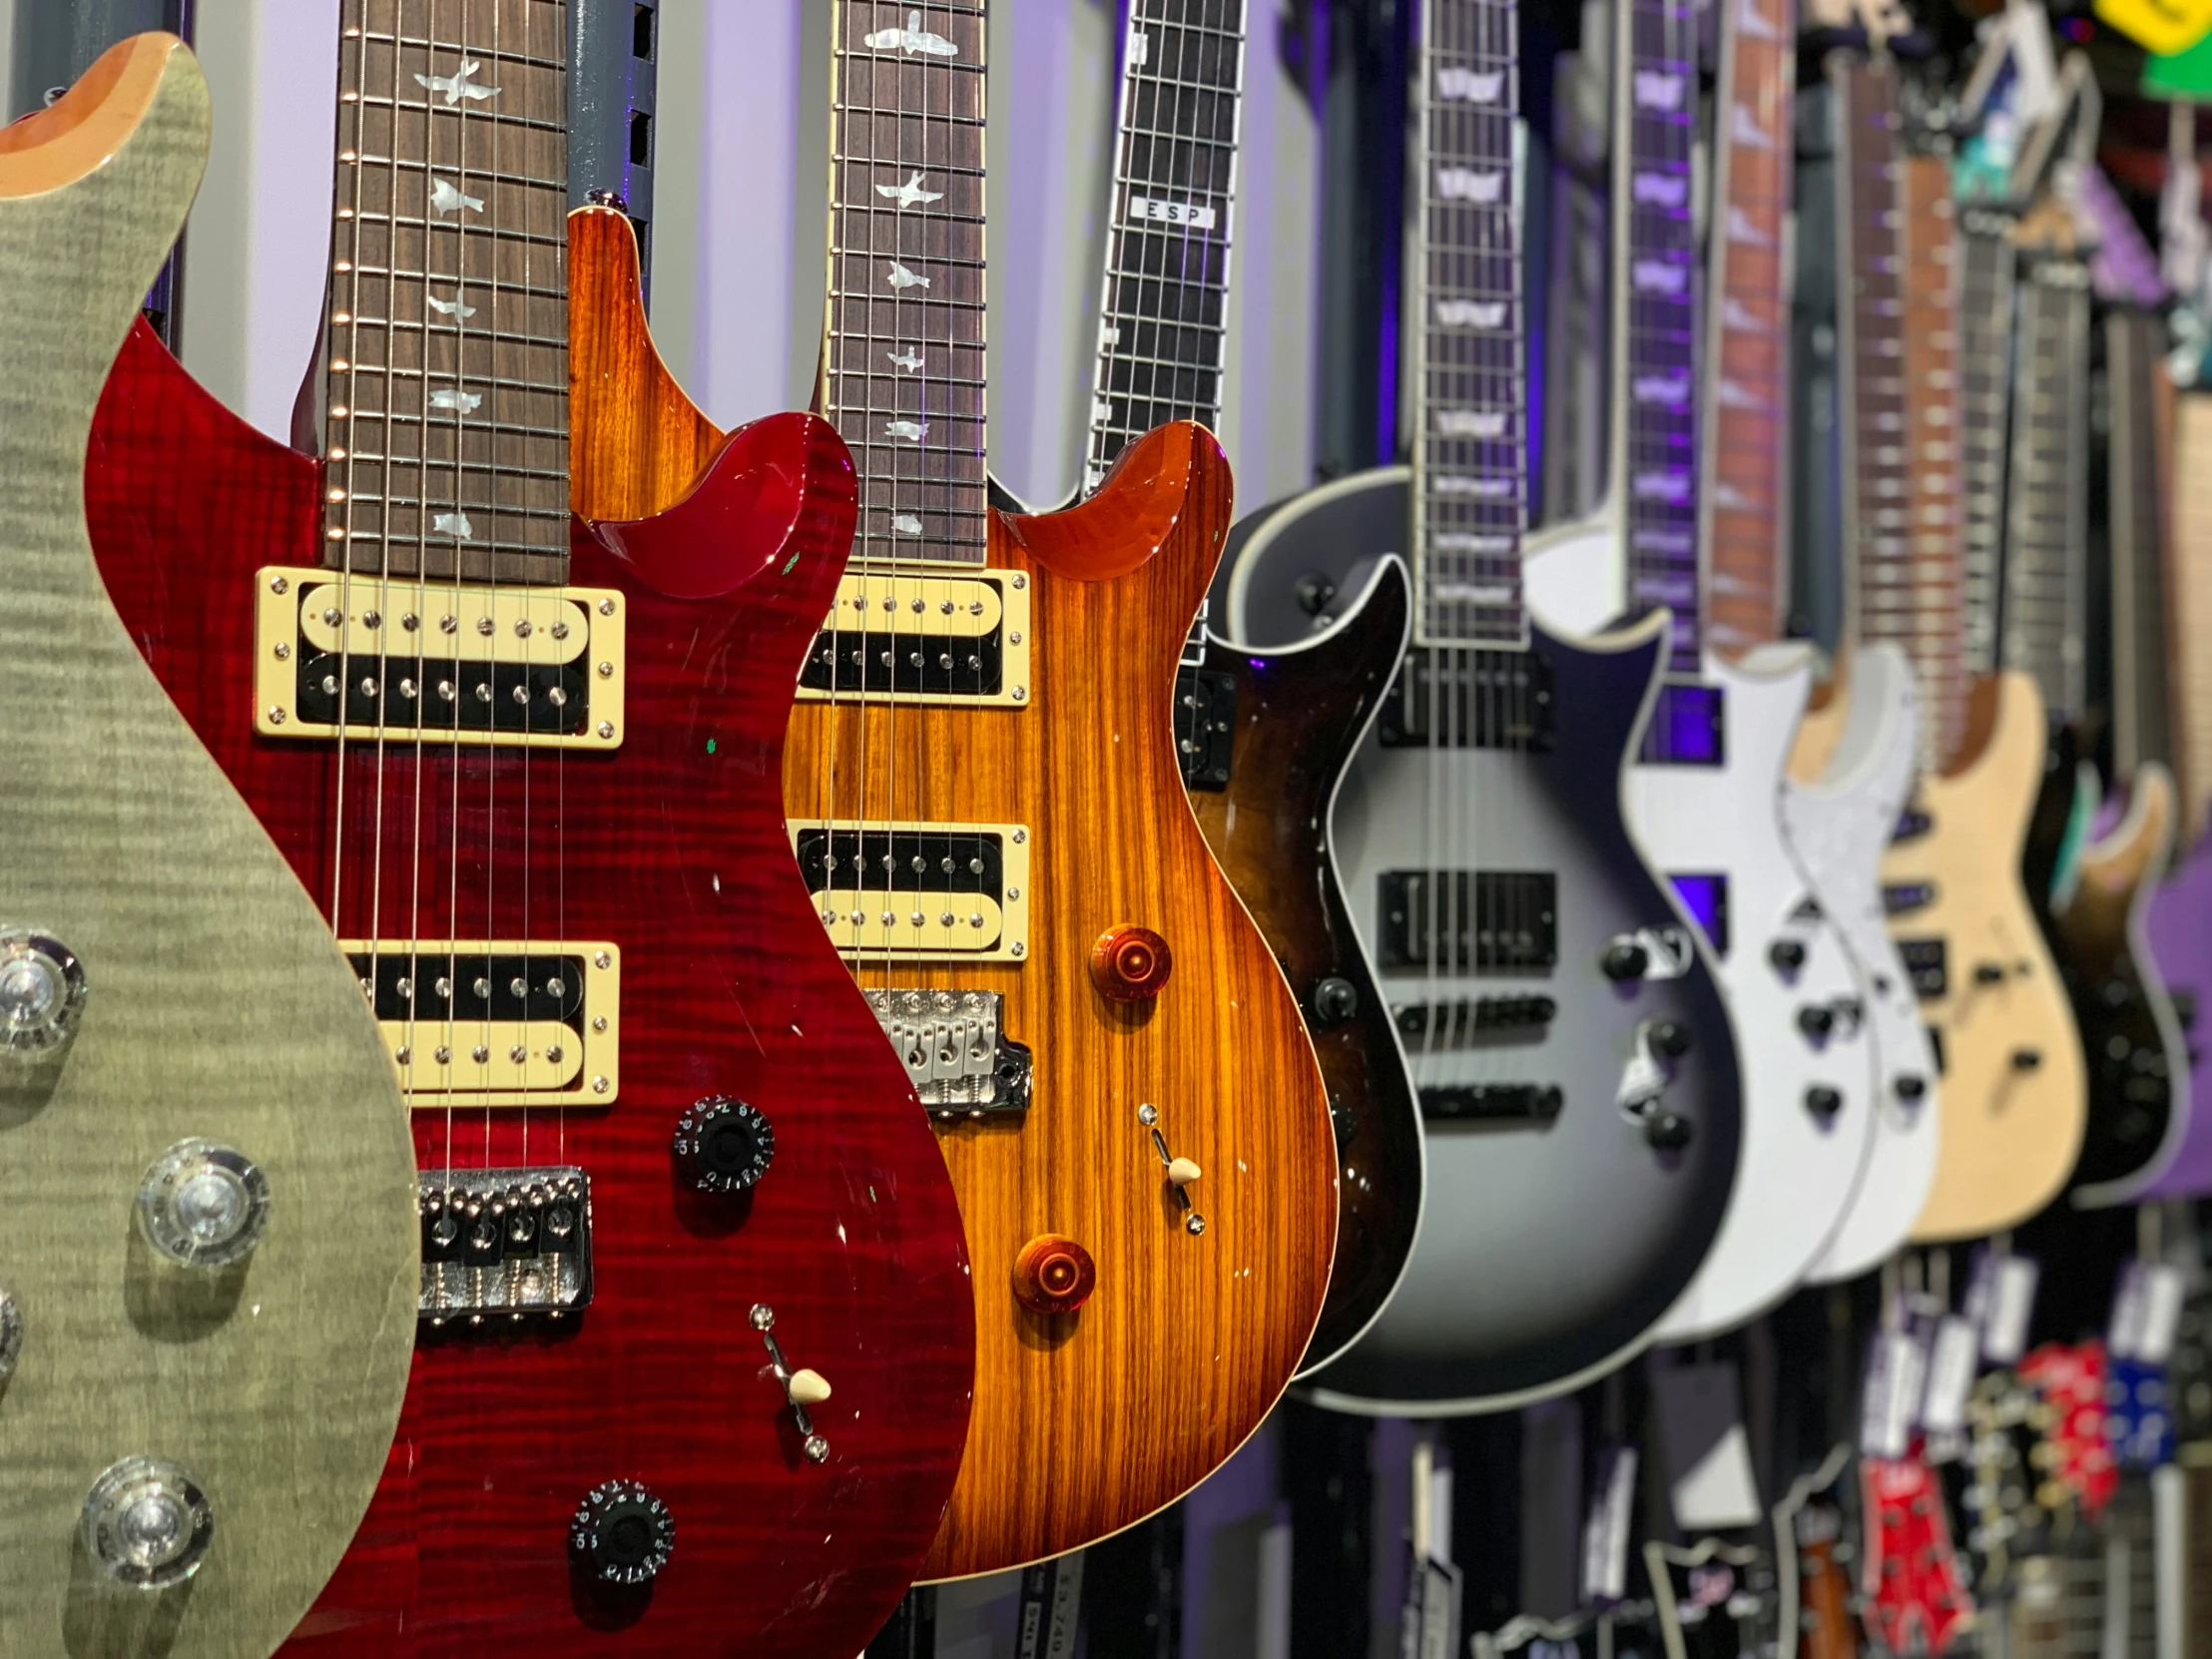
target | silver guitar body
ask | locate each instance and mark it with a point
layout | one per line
(1552, 1245)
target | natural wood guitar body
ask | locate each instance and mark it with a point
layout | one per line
(1084, 1423)
(217, 1005)
(2015, 1092)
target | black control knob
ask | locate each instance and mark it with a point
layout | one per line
(1823, 1101)
(1787, 955)
(2027, 1059)
(1670, 1038)
(1335, 1001)
(1988, 973)
(1912, 1086)
(1815, 1020)
(1314, 593)
(1666, 1132)
(1624, 958)
(623, 1531)
(724, 1145)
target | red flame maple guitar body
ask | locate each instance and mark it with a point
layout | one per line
(673, 848)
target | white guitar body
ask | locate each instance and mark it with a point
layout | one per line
(1839, 825)
(1809, 1094)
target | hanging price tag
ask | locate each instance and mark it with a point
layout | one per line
(2000, 1298)
(1954, 1357)
(1896, 1369)
(2147, 1312)
(1605, 1531)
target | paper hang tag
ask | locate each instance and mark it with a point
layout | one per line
(1896, 1365)
(2000, 1300)
(1051, 1600)
(1705, 1452)
(1429, 1627)
(1953, 1357)
(1605, 1529)
(2147, 1312)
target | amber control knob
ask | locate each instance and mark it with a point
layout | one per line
(1130, 964)
(1053, 1275)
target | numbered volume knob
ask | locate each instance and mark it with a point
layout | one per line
(724, 1145)
(1130, 963)
(42, 991)
(204, 1205)
(146, 1523)
(624, 1531)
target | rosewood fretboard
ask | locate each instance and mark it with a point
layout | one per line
(1471, 462)
(1745, 465)
(1164, 326)
(1985, 297)
(1655, 308)
(447, 430)
(903, 367)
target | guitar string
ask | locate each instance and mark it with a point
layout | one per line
(495, 398)
(842, 311)
(911, 130)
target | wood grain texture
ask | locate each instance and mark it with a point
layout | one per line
(218, 1006)
(1086, 1424)
(675, 847)
(1300, 714)
(2010, 1136)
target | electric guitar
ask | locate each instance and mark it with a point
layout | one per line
(1567, 1038)
(694, 1293)
(206, 1194)
(1710, 799)
(985, 782)
(1264, 738)
(2010, 1062)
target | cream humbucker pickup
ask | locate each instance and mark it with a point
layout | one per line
(957, 635)
(916, 891)
(420, 656)
(471, 1022)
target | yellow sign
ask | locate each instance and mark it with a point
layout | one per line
(2163, 26)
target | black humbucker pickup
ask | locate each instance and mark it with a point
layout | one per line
(901, 861)
(1455, 1024)
(1911, 824)
(1688, 727)
(1490, 1102)
(434, 693)
(511, 1243)
(1498, 921)
(1901, 898)
(466, 987)
(1925, 965)
(1205, 726)
(949, 664)
(1469, 699)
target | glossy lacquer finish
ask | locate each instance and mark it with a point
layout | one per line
(674, 847)
(2179, 928)
(1301, 713)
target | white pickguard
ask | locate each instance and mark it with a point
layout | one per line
(1800, 1168)
(1841, 826)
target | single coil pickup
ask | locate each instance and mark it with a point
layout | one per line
(1499, 921)
(1911, 824)
(1490, 1102)
(471, 1023)
(509, 1244)
(961, 1061)
(1927, 965)
(1437, 1026)
(1705, 896)
(1901, 898)
(938, 638)
(1469, 698)
(1205, 727)
(535, 666)
(1689, 726)
(921, 889)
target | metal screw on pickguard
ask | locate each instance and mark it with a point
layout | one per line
(277, 584)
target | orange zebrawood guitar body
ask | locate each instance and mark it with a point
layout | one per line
(1086, 1422)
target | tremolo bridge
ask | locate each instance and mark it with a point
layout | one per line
(453, 661)
(940, 638)
(919, 892)
(961, 1062)
(497, 1023)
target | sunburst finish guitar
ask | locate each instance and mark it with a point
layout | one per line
(206, 1194)
(695, 1294)
(986, 790)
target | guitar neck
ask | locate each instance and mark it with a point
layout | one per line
(1164, 330)
(1904, 579)
(2046, 510)
(2138, 452)
(1470, 464)
(1746, 465)
(904, 363)
(1986, 283)
(447, 424)
(1655, 312)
